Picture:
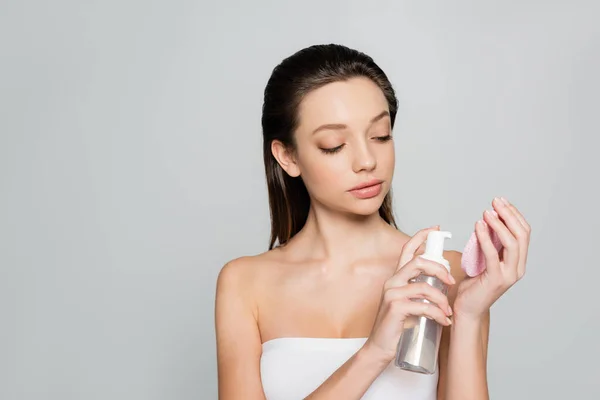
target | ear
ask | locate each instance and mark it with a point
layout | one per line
(285, 158)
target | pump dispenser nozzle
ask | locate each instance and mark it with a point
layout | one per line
(434, 247)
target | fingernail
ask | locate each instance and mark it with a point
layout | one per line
(449, 321)
(504, 200)
(449, 310)
(489, 213)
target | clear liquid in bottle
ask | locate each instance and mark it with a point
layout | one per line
(419, 344)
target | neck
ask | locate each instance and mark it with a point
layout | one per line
(343, 237)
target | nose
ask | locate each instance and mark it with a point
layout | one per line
(364, 159)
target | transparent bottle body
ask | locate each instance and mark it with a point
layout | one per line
(419, 343)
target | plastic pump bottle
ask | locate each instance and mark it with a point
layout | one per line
(419, 344)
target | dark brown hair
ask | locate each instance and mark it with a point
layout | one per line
(291, 80)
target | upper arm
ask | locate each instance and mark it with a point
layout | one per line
(454, 258)
(239, 345)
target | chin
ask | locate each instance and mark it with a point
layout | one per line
(366, 208)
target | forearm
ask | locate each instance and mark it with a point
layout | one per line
(353, 378)
(467, 359)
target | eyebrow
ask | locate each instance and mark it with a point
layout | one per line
(343, 126)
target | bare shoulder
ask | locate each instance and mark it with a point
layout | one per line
(247, 269)
(234, 291)
(245, 276)
(236, 323)
(237, 271)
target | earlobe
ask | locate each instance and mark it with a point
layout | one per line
(285, 158)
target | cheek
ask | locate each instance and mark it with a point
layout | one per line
(386, 157)
(322, 172)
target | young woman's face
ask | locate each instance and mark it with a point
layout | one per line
(343, 143)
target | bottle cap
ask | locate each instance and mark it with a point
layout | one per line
(434, 247)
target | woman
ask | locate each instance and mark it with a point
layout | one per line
(319, 315)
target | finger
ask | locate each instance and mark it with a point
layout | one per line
(419, 290)
(421, 249)
(423, 290)
(510, 243)
(419, 265)
(510, 219)
(523, 237)
(410, 247)
(416, 308)
(519, 215)
(492, 258)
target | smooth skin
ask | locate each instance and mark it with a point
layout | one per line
(346, 273)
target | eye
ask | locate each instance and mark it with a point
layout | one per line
(332, 149)
(383, 138)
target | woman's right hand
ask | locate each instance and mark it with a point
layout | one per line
(396, 304)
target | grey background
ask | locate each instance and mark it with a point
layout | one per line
(131, 171)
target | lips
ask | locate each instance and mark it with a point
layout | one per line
(364, 185)
(367, 190)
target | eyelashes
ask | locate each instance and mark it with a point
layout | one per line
(383, 138)
(333, 150)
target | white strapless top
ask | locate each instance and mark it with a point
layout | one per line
(292, 368)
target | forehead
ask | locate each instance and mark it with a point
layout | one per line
(353, 102)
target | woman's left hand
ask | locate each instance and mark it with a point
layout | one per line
(476, 295)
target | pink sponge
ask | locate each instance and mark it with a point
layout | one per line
(473, 259)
